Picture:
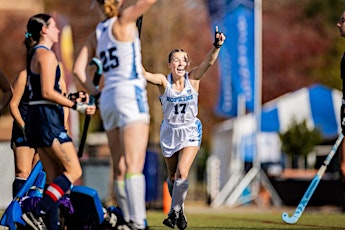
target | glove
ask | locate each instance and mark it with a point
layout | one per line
(80, 107)
(217, 38)
(342, 118)
(78, 95)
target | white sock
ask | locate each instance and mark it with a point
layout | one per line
(179, 194)
(121, 198)
(135, 189)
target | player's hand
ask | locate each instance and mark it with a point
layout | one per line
(24, 133)
(79, 96)
(90, 109)
(84, 108)
(219, 38)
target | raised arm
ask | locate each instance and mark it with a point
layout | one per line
(198, 72)
(134, 11)
(82, 61)
(155, 78)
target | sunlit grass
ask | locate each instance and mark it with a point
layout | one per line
(253, 218)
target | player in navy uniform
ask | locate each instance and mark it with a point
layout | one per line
(341, 27)
(45, 122)
(181, 130)
(24, 156)
(123, 102)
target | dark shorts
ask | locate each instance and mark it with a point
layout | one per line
(18, 139)
(45, 123)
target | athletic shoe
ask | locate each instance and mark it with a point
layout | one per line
(131, 226)
(35, 223)
(171, 220)
(181, 221)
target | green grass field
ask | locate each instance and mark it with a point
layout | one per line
(251, 219)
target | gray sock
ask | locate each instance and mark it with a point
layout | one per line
(179, 194)
(121, 197)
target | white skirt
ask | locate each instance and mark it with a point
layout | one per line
(123, 105)
(173, 139)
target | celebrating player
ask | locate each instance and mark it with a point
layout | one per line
(24, 156)
(181, 130)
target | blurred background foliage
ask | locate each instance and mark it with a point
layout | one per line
(301, 46)
(299, 141)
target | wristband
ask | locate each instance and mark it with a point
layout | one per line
(216, 45)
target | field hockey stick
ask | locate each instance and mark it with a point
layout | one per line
(139, 24)
(311, 189)
(96, 80)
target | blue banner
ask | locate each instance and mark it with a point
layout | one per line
(235, 18)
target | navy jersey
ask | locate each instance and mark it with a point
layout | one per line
(18, 139)
(34, 81)
(45, 119)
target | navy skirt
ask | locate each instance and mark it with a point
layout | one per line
(45, 123)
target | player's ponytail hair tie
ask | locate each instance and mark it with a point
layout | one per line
(28, 34)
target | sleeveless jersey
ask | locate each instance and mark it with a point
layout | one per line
(179, 108)
(123, 99)
(121, 60)
(180, 127)
(34, 81)
(17, 138)
(45, 119)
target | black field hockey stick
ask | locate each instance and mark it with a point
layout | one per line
(96, 80)
(139, 24)
(311, 189)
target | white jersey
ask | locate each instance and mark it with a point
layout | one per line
(121, 60)
(123, 99)
(180, 127)
(179, 108)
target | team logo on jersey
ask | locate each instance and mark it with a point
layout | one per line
(180, 99)
(63, 135)
(20, 140)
